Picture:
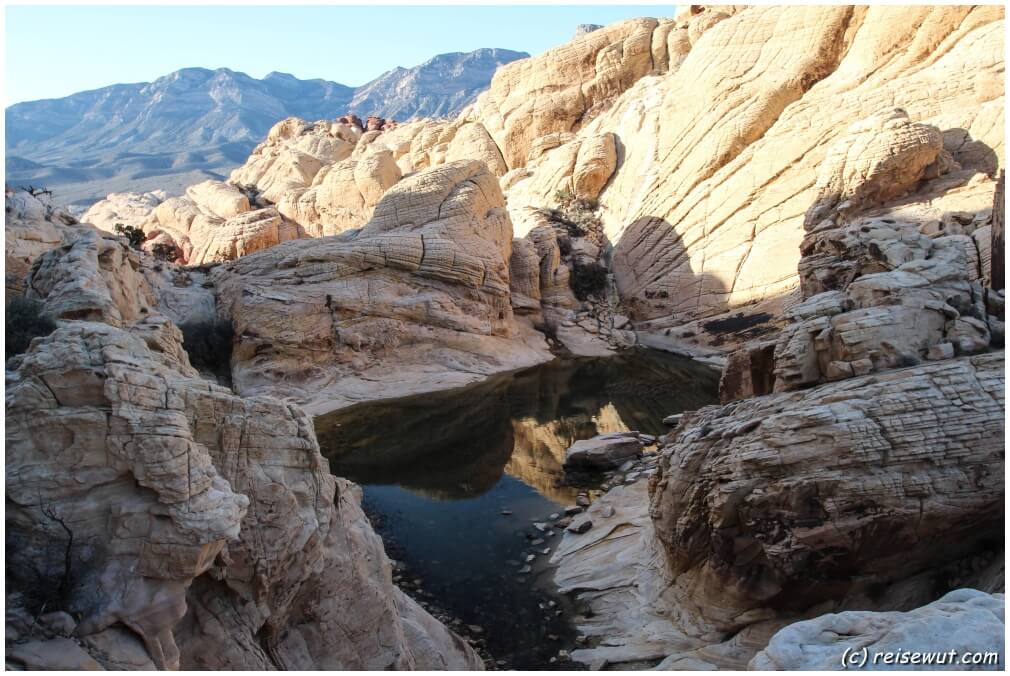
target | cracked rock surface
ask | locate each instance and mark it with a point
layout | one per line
(418, 299)
(166, 522)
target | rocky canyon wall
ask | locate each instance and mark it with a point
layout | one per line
(156, 520)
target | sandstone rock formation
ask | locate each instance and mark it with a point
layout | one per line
(809, 189)
(704, 197)
(835, 473)
(341, 196)
(94, 277)
(238, 236)
(705, 210)
(292, 153)
(212, 562)
(182, 525)
(563, 88)
(604, 451)
(819, 485)
(417, 299)
(218, 198)
(962, 630)
(128, 208)
(32, 226)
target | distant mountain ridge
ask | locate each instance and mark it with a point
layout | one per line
(197, 123)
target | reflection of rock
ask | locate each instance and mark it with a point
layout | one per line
(963, 622)
(430, 443)
(538, 455)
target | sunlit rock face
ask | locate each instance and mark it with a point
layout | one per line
(706, 207)
(32, 226)
(704, 196)
(852, 207)
(416, 300)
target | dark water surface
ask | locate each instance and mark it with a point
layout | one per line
(439, 470)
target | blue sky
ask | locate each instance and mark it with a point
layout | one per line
(54, 51)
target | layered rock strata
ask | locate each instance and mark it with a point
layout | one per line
(162, 521)
(417, 299)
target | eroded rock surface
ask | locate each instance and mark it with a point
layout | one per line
(94, 276)
(32, 226)
(182, 525)
(824, 483)
(416, 300)
(962, 630)
(230, 545)
(127, 208)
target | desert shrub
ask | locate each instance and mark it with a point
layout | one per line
(564, 197)
(25, 319)
(588, 280)
(35, 192)
(577, 214)
(208, 344)
(165, 252)
(135, 236)
(254, 195)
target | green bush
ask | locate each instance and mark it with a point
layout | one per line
(25, 320)
(208, 344)
(136, 236)
(588, 280)
(577, 214)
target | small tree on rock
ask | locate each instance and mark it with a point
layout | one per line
(134, 235)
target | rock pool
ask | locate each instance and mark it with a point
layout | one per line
(461, 484)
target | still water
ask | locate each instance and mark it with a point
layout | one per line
(455, 482)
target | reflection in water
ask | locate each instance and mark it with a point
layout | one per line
(456, 479)
(457, 443)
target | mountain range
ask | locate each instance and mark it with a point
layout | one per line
(198, 123)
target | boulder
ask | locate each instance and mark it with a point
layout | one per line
(594, 164)
(604, 451)
(343, 195)
(93, 276)
(216, 241)
(798, 497)
(416, 299)
(965, 629)
(293, 152)
(219, 199)
(127, 208)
